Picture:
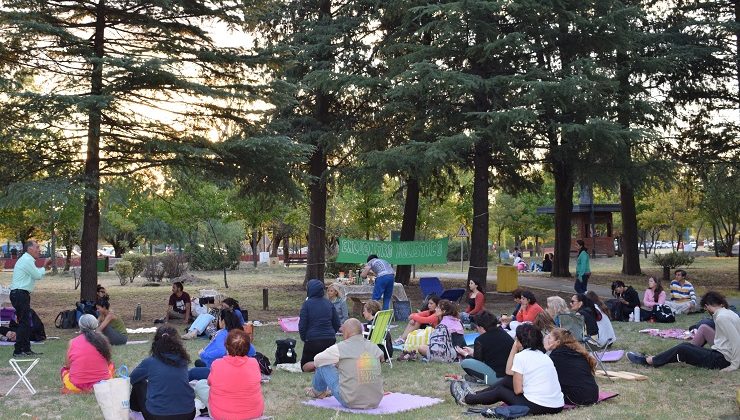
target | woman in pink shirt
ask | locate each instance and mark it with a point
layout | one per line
(529, 309)
(654, 294)
(235, 388)
(88, 358)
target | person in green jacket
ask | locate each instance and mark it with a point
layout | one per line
(583, 268)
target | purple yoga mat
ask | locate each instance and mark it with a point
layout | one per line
(289, 324)
(612, 356)
(393, 402)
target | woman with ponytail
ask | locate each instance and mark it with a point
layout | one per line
(88, 358)
(575, 367)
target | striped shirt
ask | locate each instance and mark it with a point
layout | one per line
(683, 293)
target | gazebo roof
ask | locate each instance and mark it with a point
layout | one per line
(585, 208)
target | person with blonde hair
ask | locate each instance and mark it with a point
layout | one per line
(336, 297)
(575, 367)
(556, 306)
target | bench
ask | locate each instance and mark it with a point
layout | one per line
(296, 260)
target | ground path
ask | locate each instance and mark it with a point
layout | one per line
(532, 281)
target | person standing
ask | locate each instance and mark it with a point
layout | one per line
(25, 276)
(384, 276)
(583, 268)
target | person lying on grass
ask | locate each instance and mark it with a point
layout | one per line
(532, 380)
(575, 367)
(724, 353)
(486, 361)
(88, 360)
(421, 320)
(349, 370)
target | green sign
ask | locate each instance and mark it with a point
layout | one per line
(404, 253)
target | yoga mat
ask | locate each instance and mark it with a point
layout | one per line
(677, 333)
(137, 342)
(141, 330)
(394, 402)
(612, 356)
(470, 338)
(603, 395)
(289, 324)
(135, 415)
(12, 343)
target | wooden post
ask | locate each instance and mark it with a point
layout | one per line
(264, 299)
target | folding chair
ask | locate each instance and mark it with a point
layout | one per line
(378, 330)
(23, 375)
(575, 323)
(431, 286)
(453, 295)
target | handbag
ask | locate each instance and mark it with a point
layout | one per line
(113, 395)
(663, 314)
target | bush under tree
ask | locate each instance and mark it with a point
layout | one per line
(125, 272)
(672, 260)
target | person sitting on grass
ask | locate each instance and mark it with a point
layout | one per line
(216, 349)
(349, 370)
(233, 389)
(233, 305)
(88, 360)
(486, 360)
(110, 324)
(527, 312)
(654, 294)
(318, 324)
(334, 293)
(556, 306)
(582, 305)
(369, 310)
(476, 301)
(178, 306)
(724, 353)
(421, 320)
(449, 332)
(575, 367)
(683, 294)
(160, 388)
(606, 329)
(532, 381)
(625, 301)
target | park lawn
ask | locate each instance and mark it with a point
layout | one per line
(705, 394)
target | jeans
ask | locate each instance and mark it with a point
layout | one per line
(581, 286)
(384, 287)
(115, 338)
(327, 377)
(21, 300)
(480, 370)
(693, 355)
(197, 373)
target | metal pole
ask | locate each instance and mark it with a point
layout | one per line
(462, 251)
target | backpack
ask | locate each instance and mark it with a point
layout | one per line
(66, 319)
(38, 333)
(285, 351)
(441, 348)
(264, 363)
(85, 307)
(663, 313)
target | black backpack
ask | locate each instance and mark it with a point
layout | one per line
(264, 363)
(285, 352)
(663, 314)
(66, 319)
(38, 332)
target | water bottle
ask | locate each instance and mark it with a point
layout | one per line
(137, 312)
(636, 314)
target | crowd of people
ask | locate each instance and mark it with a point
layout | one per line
(529, 358)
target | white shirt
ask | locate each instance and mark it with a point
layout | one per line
(540, 379)
(606, 330)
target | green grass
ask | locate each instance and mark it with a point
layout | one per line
(702, 393)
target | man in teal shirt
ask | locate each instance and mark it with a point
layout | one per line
(25, 276)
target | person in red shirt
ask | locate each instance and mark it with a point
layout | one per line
(476, 301)
(88, 360)
(530, 308)
(235, 389)
(421, 319)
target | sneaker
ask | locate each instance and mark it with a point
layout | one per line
(159, 321)
(399, 341)
(637, 358)
(21, 354)
(190, 335)
(472, 379)
(26, 353)
(459, 392)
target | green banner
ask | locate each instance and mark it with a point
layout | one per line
(404, 253)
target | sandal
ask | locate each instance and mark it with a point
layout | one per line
(310, 392)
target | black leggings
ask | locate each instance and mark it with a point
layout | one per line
(504, 392)
(137, 402)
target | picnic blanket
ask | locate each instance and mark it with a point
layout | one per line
(392, 402)
(137, 342)
(289, 324)
(12, 343)
(677, 333)
(143, 330)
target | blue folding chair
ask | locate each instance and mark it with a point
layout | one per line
(453, 295)
(431, 286)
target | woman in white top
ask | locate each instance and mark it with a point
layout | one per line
(606, 330)
(533, 380)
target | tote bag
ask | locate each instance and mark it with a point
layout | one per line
(113, 396)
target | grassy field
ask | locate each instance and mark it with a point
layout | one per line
(702, 394)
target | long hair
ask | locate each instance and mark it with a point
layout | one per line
(658, 287)
(530, 337)
(530, 296)
(231, 321)
(588, 304)
(544, 322)
(598, 302)
(167, 341)
(233, 303)
(447, 308)
(565, 339)
(88, 324)
(479, 283)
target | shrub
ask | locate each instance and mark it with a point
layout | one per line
(125, 272)
(333, 267)
(453, 250)
(210, 258)
(137, 262)
(173, 265)
(153, 269)
(672, 260)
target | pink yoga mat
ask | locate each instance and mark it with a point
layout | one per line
(289, 324)
(612, 356)
(393, 402)
(603, 395)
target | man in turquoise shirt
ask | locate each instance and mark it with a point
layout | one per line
(25, 276)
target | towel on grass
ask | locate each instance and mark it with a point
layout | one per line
(677, 333)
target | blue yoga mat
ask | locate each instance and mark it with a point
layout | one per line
(470, 338)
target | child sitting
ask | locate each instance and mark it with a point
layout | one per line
(371, 308)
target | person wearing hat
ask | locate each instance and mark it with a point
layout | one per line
(88, 358)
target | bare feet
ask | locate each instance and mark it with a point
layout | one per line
(316, 394)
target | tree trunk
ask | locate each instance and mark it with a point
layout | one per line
(317, 218)
(563, 207)
(408, 226)
(714, 239)
(286, 250)
(478, 269)
(630, 245)
(253, 244)
(666, 274)
(91, 216)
